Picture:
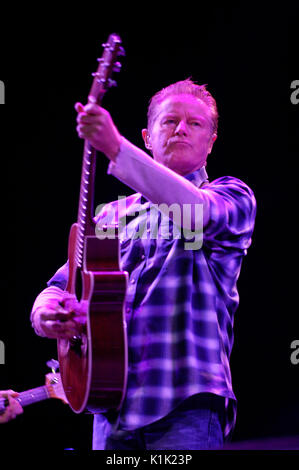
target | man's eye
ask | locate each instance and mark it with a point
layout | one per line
(169, 121)
(195, 124)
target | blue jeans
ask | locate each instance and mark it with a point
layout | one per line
(196, 424)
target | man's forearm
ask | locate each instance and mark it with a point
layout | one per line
(157, 183)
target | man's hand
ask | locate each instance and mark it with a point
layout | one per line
(13, 408)
(95, 125)
(59, 317)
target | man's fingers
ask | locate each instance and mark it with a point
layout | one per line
(79, 108)
(90, 108)
(93, 109)
(15, 406)
(56, 329)
(6, 393)
(62, 326)
(89, 118)
(61, 315)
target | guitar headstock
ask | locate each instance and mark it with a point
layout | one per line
(54, 386)
(108, 64)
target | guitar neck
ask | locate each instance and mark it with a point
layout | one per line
(34, 395)
(86, 225)
(28, 397)
(100, 84)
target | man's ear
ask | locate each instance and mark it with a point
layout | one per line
(146, 138)
(212, 140)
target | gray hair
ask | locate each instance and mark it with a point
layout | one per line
(184, 87)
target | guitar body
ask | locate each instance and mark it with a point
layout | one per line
(93, 365)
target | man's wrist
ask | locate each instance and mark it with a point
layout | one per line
(115, 149)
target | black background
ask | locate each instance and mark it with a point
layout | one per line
(247, 56)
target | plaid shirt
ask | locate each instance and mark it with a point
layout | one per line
(180, 304)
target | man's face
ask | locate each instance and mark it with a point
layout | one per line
(181, 134)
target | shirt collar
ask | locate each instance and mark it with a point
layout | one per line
(198, 177)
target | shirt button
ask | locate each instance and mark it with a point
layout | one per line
(128, 310)
(132, 281)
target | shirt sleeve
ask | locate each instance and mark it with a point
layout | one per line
(228, 204)
(60, 278)
(154, 181)
(54, 290)
(232, 212)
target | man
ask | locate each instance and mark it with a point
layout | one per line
(12, 406)
(182, 295)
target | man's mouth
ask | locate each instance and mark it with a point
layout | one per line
(179, 142)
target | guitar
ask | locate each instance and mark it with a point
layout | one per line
(93, 365)
(52, 389)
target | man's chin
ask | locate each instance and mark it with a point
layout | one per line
(179, 162)
(176, 163)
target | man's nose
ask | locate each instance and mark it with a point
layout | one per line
(181, 128)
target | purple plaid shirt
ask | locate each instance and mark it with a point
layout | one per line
(180, 303)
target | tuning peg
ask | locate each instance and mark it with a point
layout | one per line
(111, 83)
(53, 364)
(121, 51)
(98, 75)
(117, 67)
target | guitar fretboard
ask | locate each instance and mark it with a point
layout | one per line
(32, 396)
(85, 211)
